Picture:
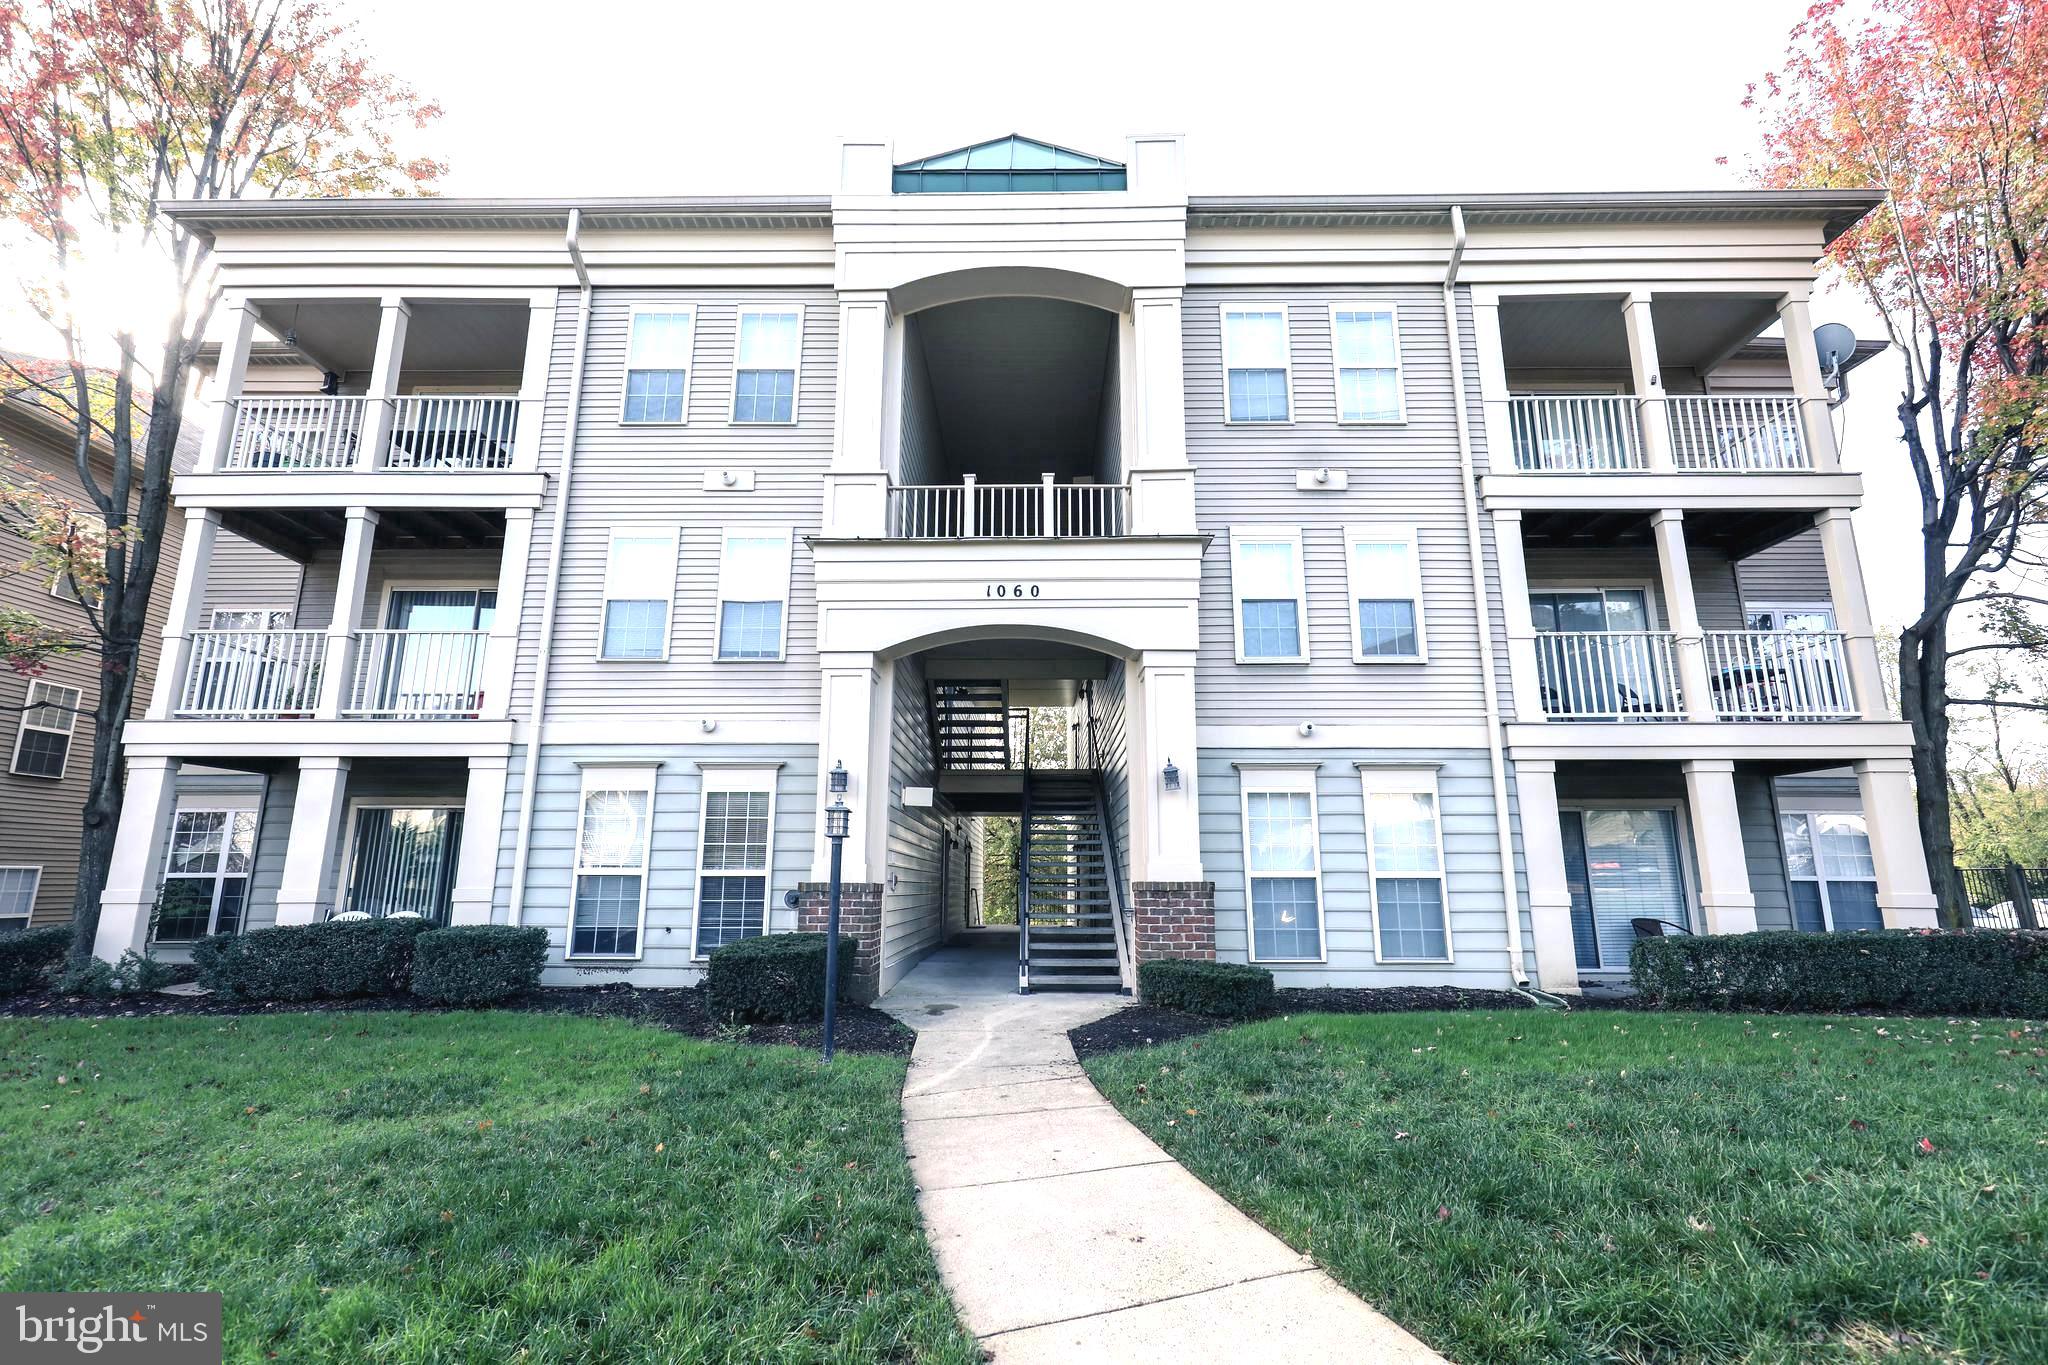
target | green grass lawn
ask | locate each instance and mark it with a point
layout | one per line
(1531, 1186)
(471, 1187)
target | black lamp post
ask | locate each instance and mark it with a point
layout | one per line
(838, 819)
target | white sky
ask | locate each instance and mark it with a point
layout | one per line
(653, 97)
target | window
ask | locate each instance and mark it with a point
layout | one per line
(1834, 877)
(236, 618)
(1386, 594)
(1790, 616)
(1255, 365)
(49, 715)
(18, 896)
(611, 862)
(90, 530)
(1366, 346)
(639, 586)
(735, 844)
(658, 366)
(1282, 864)
(402, 861)
(1405, 851)
(764, 374)
(1266, 589)
(206, 872)
(753, 593)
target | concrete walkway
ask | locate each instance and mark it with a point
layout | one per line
(1065, 1234)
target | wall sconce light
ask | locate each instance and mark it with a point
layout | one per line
(838, 778)
(1170, 776)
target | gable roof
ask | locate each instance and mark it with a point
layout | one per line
(1008, 165)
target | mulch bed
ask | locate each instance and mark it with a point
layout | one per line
(1148, 1025)
(685, 1010)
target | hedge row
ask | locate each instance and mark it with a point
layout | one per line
(776, 977)
(1221, 990)
(340, 960)
(1969, 971)
(27, 957)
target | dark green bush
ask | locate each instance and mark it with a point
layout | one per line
(336, 960)
(1221, 990)
(776, 977)
(1968, 971)
(27, 957)
(476, 964)
(135, 974)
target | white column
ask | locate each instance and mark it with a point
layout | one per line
(1648, 380)
(533, 385)
(856, 489)
(385, 365)
(1550, 897)
(238, 318)
(501, 647)
(1493, 382)
(1683, 614)
(138, 861)
(1172, 837)
(1904, 894)
(1725, 897)
(1804, 361)
(307, 893)
(845, 725)
(483, 819)
(1523, 676)
(187, 610)
(1850, 596)
(1162, 483)
(338, 666)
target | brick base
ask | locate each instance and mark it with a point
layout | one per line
(860, 916)
(1174, 919)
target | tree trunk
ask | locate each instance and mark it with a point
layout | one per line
(101, 818)
(1923, 702)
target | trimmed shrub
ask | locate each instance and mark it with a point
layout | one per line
(330, 961)
(27, 957)
(1920, 971)
(1221, 990)
(776, 977)
(476, 964)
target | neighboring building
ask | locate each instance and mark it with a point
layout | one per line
(1433, 586)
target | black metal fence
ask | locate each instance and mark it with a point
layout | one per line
(2008, 897)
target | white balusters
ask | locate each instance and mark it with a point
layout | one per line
(1779, 675)
(237, 674)
(300, 432)
(437, 431)
(970, 510)
(1576, 433)
(1733, 433)
(419, 674)
(295, 432)
(1609, 675)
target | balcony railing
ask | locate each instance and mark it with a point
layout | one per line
(1609, 675)
(1779, 675)
(428, 432)
(245, 673)
(417, 674)
(1714, 432)
(1576, 433)
(991, 511)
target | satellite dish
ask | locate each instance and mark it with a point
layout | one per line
(1836, 345)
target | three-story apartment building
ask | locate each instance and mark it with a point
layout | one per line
(1433, 588)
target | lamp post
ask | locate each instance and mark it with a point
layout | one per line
(837, 821)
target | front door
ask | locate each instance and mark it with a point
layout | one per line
(1621, 865)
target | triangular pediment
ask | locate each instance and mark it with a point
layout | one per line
(1009, 165)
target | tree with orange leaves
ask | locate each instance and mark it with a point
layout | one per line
(108, 109)
(1943, 104)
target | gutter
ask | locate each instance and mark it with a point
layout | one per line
(529, 777)
(1496, 758)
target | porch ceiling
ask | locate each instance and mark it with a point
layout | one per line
(1737, 533)
(341, 334)
(301, 533)
(1694, 331)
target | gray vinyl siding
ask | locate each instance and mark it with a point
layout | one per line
(1399, 475)
(1473, 887)
(475, 568)
(912, 913)
(1762, 851)
(672, 853)
(655, 475)
(1113, 761)
(244, 576)
(1713, 579)
(1795, 570)
(920, 453)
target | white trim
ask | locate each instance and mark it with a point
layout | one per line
(1223, 313)
(35, 888)
(348, 835)
(1377, 780)
(744, 778)
(796, 378)
(1289, 779)
(1409, 538)
(1257, 535)
(638, 777)
(627, 367)
(29, 706)
(727, 591)
(1337, 368)
(638, 530)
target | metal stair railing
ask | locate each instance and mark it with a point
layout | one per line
(1120, 924)
(1024, 889)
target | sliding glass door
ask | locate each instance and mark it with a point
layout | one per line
(1621, 865)
(402, 861)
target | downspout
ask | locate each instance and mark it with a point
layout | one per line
(529, 777)
(1481, 608)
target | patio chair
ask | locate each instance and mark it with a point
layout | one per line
(1647, 927)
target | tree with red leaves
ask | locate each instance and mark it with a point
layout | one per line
(1944, 105)
(108, 109)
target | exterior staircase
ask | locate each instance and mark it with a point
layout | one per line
(1068, 932)
(971, 724)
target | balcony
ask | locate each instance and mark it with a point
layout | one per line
(1586, 433)
(1752, 675)
(970, 510)
(276, 674)
(432, 433)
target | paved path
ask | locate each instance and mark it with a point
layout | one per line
(1065, 1234)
